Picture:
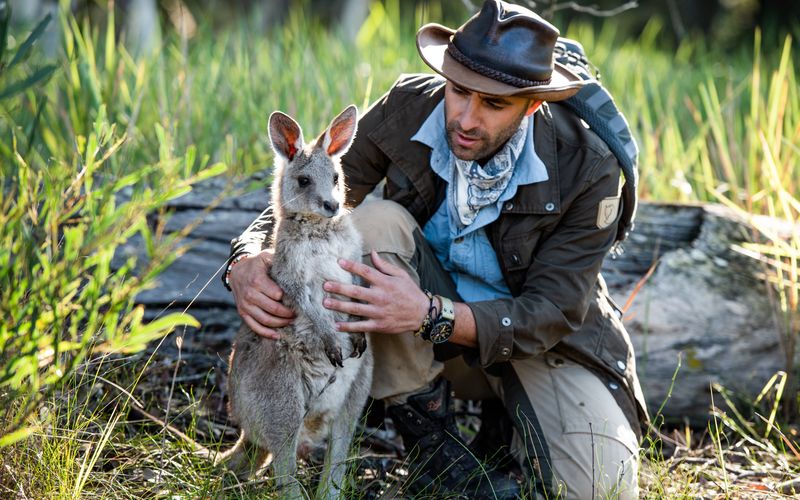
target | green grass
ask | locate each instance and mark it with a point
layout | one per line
(94, 144)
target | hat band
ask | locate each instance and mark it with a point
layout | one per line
(492, 73)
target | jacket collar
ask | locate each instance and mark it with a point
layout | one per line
(543, 197)
(393, 138)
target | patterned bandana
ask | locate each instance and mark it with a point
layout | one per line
(475, 187)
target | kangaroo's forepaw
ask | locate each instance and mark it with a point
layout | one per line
(334, 354)
(359, 343)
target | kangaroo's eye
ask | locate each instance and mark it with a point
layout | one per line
(335, 179)
(303, 181)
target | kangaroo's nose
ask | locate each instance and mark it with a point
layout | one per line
(331, 207)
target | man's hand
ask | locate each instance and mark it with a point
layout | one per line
(393, 303)
(258, 297)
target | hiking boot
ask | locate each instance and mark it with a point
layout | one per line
(492, 444)
(440, 463)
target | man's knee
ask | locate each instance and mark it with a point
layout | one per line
(385, 226)
(591, 447)
(601, 467)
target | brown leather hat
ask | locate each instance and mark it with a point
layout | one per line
(504, 50)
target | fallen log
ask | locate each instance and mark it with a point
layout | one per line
(704, 307)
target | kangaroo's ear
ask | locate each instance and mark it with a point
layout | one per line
(339, 135)
(285, 135)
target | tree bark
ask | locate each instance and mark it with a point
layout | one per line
(704, 316)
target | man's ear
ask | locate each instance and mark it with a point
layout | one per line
(534, 105)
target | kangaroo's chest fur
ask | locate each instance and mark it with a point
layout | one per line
(306, 255)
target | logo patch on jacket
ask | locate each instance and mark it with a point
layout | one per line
(607, 211)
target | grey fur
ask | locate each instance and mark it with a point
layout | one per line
(314, 378)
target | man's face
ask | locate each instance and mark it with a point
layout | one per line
(478, 125)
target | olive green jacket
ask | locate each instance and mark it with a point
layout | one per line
(547, 239)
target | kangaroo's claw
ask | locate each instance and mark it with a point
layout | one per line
(359, 343)
(334, 355)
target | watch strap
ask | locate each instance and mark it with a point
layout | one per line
(424, 329)
(448, 310)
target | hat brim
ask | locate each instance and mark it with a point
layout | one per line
(432, 41)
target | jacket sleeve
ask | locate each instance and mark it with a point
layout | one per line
(364, 164)
(560, 279)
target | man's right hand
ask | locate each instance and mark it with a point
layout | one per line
(258, 297)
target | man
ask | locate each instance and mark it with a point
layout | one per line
(502, 204)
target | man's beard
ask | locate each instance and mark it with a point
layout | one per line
(486, 147)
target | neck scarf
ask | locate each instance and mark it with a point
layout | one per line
(476, 186)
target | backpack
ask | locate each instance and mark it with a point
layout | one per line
(594, 105)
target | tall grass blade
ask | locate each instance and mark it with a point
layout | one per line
(25, 47)
(35, 79)
(5, 20)
(90, 459)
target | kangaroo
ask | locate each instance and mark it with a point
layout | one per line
(314, 380)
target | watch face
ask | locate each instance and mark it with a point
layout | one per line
(441, 331)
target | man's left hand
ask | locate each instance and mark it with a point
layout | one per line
(393, 303)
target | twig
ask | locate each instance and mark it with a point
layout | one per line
(789, 487)
(592, 10)
(137, 407)
(179, 343)
(641, 283)
(677, 20)
(469, 5)
(12, 475)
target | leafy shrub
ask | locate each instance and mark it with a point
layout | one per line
(68, 202)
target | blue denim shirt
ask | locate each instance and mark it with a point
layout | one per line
(465, 252)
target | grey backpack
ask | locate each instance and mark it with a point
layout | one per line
(594, 105)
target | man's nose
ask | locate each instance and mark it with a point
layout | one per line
(469, 118)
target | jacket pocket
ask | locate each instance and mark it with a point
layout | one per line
(516, 255)
(517, 251)
(613, 347)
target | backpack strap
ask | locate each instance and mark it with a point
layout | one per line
(594, 105)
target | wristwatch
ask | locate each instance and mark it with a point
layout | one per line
(442, 327)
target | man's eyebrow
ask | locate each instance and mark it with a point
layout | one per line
(495, 99)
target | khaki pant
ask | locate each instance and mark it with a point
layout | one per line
(560, 409)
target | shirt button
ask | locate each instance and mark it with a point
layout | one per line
(550, 206)
(509, 206)
(505, 351)
(460, 239)
(621, 366)
(505, 321)
(613, 386)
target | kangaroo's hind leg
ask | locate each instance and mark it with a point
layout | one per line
(332, 480)
(284, 467)
(277, 425)
(341, 433)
